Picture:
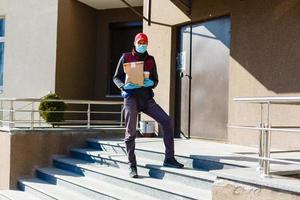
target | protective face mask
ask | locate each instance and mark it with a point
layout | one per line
(141, 48)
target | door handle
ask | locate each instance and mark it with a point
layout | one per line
(183, 75)
(189, 76)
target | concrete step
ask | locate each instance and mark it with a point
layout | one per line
(3, 197)
(189, 176)
(16, 195)
(94, 189)
(157, 188)
(191, 161)
(46, 191)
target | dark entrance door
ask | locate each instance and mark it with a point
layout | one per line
(121, 40)
(202, 79)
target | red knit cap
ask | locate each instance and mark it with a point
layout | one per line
(141, 36)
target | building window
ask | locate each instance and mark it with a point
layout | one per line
(2, 42)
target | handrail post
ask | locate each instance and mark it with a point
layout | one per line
(122, 115)
(39, 119)
(267, 141)
(261, 140)
(266, 129)
(11, 123)
(89, 116)
(1, 113)
(138, 121)
(266, 152)
(32, 115)
(261, 146)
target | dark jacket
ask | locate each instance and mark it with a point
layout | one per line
(149, 65)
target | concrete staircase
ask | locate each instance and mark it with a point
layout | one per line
(100, 171)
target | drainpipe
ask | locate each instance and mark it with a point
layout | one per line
(149, 11)
(190, 81)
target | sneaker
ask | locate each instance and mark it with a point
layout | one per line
(172, 162)
(133, 172)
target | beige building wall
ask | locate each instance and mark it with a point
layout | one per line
(76, 50)
(264, 59)
(5, 161)
(3, 6)
(30, 47)
(264, 54)
(23, 151)
(161, 45)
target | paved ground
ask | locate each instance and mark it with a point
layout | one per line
(230, 154)
(227, 153)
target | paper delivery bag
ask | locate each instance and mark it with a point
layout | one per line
(134, 73)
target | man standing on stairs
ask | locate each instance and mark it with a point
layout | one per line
(140, 99)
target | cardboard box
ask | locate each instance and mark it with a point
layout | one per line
(134, 73)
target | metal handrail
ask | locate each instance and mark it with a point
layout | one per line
(12, 111)
(98, 112)
(271, 100)
(271, 159)
(255, 128)
(265, 129)
(68, 101)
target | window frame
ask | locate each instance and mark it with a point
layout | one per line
(2, 40)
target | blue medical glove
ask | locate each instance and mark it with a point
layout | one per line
(148, 82)
(125, 94)
(130, 86)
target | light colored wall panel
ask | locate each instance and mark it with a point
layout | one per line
(30, 47)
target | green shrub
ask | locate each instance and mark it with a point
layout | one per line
(52, 106)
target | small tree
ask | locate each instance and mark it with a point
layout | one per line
(45, 106)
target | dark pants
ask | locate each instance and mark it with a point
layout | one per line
(152, 109)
